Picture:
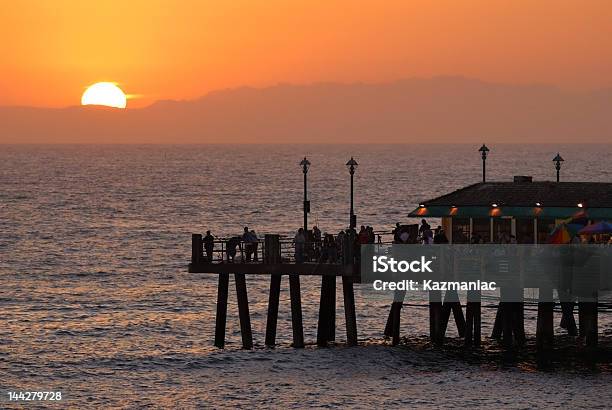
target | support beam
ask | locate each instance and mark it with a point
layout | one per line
(397, 304)
(589, 311)
(271, 325)
(545, 325)
(496, 333)
(221, 317)
(349, 311)
(473, 318)
(243, 311)
(331, 332)
(452, 304)
(435, 316)
(396, 310)
(296, 311)
(327, 307)
(197, 252)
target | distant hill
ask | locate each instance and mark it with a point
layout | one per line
(440, 109)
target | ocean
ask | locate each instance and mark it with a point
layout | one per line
(96, 301)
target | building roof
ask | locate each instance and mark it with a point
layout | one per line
(522, 198)
(548, 194)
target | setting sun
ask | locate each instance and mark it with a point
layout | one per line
(108, 94)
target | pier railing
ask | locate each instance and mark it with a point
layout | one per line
(237, 250)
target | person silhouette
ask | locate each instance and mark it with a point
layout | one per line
(209, 245)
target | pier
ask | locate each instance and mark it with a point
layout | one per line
(275, 260)
(519, 212)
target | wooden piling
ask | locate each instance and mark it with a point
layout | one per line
(243, 311)
(331, 310)
(452, 304)
(326, 328)
(221, 317)
(496, 333)
(588, 309)
(322, 325)
(509, 320)
(581, 320)
(271, 324)
(271, 254)
(435, 316)
(348, 252)
(567, 314)
(473, 319)
(507, 325)
(296, 310)
(197, 251)
(349, 311)
(396, 306)
(395, 323)
(477, 321)
(469, 328)
(519, 318)
(389, 325)
(545, 322)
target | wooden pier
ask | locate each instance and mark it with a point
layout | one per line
(276, 267)
(508, 326)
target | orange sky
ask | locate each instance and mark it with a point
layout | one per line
(52, 49)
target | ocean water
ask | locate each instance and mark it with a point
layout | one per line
(96, 301)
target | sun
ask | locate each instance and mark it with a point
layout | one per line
(104, 94)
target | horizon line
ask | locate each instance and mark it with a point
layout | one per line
(315, 83)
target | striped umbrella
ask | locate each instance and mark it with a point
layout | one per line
(564, 232)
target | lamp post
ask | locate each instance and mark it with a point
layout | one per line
(558, 160)
(352, 166)
(305, 164)
(483, 150)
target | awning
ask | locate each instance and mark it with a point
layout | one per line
(508, 211)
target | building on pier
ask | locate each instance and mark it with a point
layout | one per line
(525, 209)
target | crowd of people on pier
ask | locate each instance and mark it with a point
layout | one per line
(327, 248)
(315, 246)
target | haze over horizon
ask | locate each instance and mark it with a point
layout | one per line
(439, 110)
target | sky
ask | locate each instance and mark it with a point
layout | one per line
(158, 50)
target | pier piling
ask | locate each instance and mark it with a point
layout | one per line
(221, 318)
(545, 321)
(472, 318)
(395, 322)
(272, 254)
(295, 295)
(243, 311)
(452, 304)
(349, 311)
(271, 324)
(587, 309)
(435, 316)
(326, 328)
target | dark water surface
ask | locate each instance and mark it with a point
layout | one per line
(96, 301)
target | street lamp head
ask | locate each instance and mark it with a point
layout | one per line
(483, 150)
(305, 164)
(557, 160)
(352, 165)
